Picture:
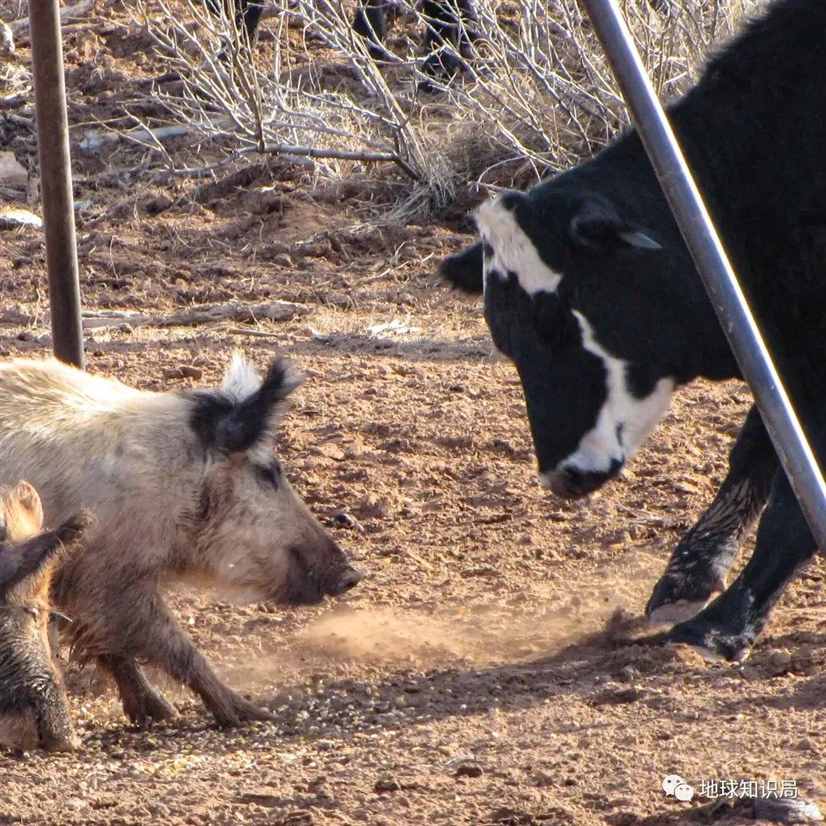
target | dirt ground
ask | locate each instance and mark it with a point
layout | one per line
(472, 678)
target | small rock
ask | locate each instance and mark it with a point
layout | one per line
(156, 205)
(300, 817)
(345, 520)
(190, 372)
(12, 172)
(386, 784)
(330, 451)
(467, 768)
(185, 371)
(780, 661)
(261, 798)
(628, 674)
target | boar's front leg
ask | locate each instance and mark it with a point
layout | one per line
(158, 639)
(142, 702)
(51, 715)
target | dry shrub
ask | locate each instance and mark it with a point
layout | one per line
(537, 95)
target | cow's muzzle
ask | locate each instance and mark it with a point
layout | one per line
(573, 483)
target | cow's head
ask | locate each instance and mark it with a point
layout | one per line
(575, 296)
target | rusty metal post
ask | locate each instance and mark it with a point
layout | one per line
(718, 276)
(56, 181)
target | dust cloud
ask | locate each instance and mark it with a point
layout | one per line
(479, 635)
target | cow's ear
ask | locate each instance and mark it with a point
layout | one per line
(464, 269)
(598, 226)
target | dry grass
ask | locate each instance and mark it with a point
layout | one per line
(537, 96)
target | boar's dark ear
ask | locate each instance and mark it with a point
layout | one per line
(25, 558)
(246, 408)
(464, 269)
(597, 226)
(254, 415)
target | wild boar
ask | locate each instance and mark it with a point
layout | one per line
(33, 708)
(183, 485)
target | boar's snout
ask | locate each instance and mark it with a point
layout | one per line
(348, 579)
(337, 575)
(320, 568)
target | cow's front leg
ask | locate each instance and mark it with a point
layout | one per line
(700, 562)
(729, 625)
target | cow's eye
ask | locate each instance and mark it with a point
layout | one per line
(271, 474)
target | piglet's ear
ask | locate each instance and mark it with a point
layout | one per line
(464, 269)
(250, 418)
(599, 227)
(26, 559)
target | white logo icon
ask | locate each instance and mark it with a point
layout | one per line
(675, 786)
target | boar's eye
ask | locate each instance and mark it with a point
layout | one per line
(270, 475)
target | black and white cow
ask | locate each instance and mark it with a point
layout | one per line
(591, 292)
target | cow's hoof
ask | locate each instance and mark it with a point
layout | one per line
(678, 596)
(671, 613)
(713, 643)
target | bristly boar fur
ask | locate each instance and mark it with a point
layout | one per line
(33, 707)
(183, 485)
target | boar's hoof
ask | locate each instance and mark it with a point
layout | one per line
(147, 707)
(237, 710)
(70, 742)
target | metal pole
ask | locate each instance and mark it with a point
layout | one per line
(713, 265)
(56, 181)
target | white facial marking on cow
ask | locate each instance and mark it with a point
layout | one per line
(624, 420)
(513, 251)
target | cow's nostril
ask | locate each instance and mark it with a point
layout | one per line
(346, 582)
(573, 477)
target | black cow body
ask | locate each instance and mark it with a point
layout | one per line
(591, 291)
(448, 36)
